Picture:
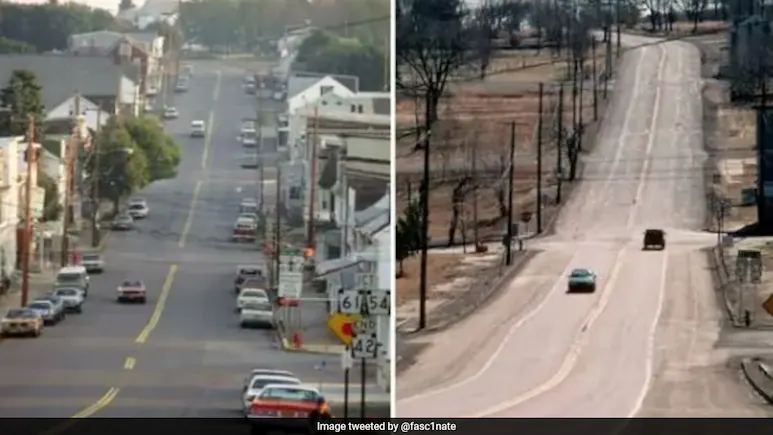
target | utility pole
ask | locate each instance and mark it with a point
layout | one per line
(27, 240)
(617, 15)
(424, 202)
(560, 144)
(539, 160)
(95, 182)
(277, 224)
(509, 244)
(580, 102)
(595, 80)
(574, 96)
(70, 156)
(261, 164)
(313, 182)
(608, 67)
(474, 158)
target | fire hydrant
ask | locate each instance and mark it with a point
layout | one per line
(297, 340)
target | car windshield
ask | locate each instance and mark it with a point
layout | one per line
(249, 272)
(131, 284)
(580, 273)
(20, 314)
(249, 134)
(294, 394)
(254, 294)
(66, 292)
(68, 277)
(136, 207)
(90, 257)
(39, 306)
(257, 306)
(260, 383)
(253, 282)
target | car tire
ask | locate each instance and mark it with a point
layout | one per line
(143, 301)
(37, 333)
(79, 310)
(3, 335)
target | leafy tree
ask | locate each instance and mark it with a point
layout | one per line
(173, 36)
(120, 171)
(408, 235)
(22, 97)
(327, 53)
(125, 5)
(10, 46)
(51, 207)
(162, 153)
(48, 26)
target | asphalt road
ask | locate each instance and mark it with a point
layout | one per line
(182, 354)
(643, 343)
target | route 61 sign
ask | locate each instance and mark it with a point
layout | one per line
(365, 281)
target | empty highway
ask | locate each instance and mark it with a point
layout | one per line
(643, 343)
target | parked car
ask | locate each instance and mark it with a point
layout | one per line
(93, 262)
(21, 321)
(123, 222)
(259, 382)
(46, 310)
(171, 113)
(71, 297)
(59, 307)
(138, 208)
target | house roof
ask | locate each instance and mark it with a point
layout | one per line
(61, 76)
(350, 82)
(296, 85)
(374, 218)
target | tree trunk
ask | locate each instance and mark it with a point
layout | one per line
(400, 270)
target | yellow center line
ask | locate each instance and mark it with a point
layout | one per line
(210, 124)
(84, 413)
(156, 316)
(191, 212)
(129, 363)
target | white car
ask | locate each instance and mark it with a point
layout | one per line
(251, 295)
(244, 230)
(171, 113)
(258, 382)
(93, 262)
(249, 161)
(248, 206)
(138, 210)
(198, 129)
(249, 138)
(71, 297)
(252, 216)
(256, 314)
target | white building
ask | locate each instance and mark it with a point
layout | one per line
(10, 186)
(89, 110)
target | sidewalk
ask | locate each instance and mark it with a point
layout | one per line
(316, 337)
(40, 283)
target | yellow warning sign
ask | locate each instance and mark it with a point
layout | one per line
(342, 325)
(768, 305)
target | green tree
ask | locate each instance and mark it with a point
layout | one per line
(408, 234)
(48, 26)
(22, 97)
(51, 206)
(161, 151)
(10, 46)
(325, 52)
(125, 5)
(123, 165)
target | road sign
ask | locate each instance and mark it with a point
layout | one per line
(365, 347)
(768, 305)
(365, 326)
(289, 289)
(374, 302)
(290, 263)
(365, 281)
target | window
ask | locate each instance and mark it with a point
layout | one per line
(324, 103)
(359, 108)
(295, 192)
(354, 108)
(325, 89)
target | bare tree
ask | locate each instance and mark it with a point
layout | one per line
(431, 40)
(693, 10)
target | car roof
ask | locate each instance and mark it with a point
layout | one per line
(197, 122)
(72, 269)
(255, 372)
(581, 270)
(299, 387)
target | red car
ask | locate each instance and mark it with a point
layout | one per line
(282, 407)
(132, 291)
(244, 230)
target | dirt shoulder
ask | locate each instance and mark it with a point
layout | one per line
(471, 151)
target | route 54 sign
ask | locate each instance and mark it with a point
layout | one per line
(372, 302)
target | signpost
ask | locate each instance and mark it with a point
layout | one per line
(748, 270)
(290, 273)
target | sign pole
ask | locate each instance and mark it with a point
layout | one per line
(346, 390)
(363, 373)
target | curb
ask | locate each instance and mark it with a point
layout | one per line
(286, 346)
(722, 282)
(746, 369)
